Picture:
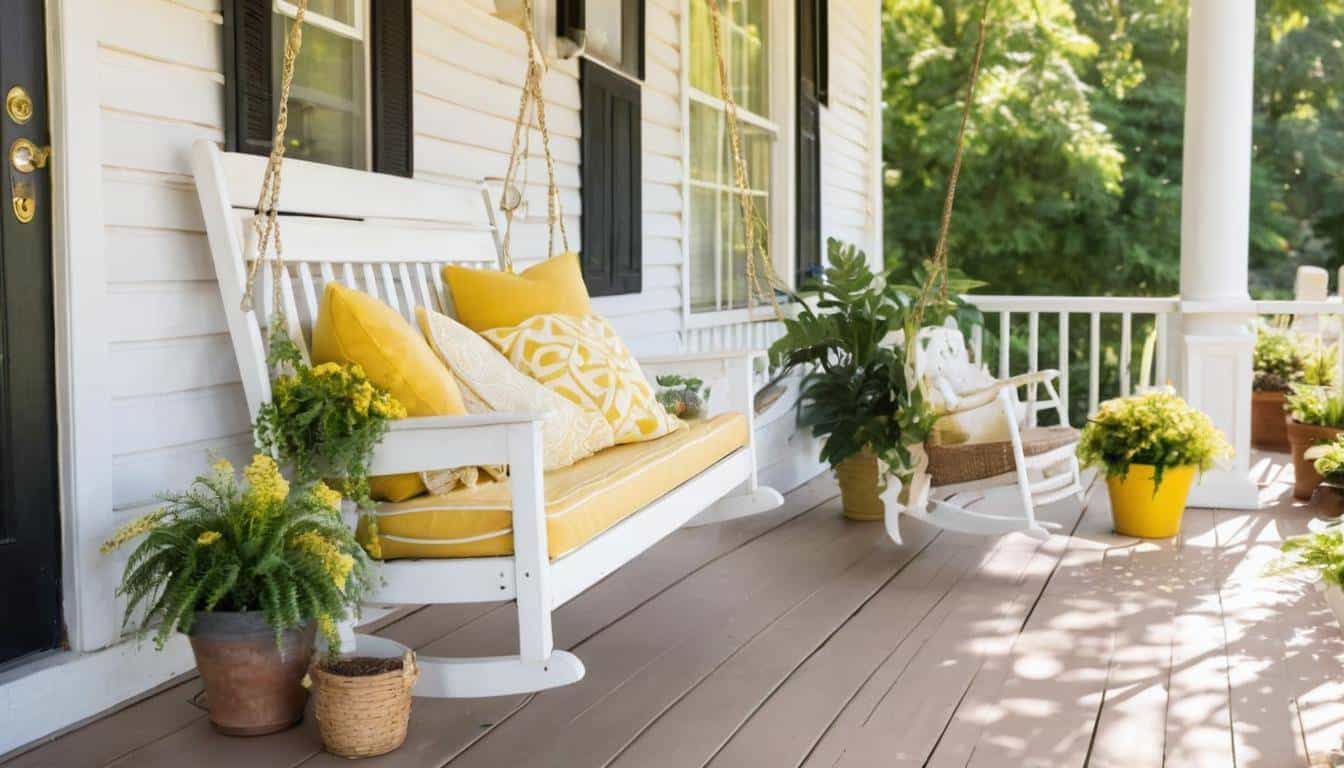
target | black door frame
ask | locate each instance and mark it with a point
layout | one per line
(30, 504)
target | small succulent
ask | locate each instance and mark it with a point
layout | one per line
(682, 396)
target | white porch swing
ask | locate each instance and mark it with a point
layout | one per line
(390, 237)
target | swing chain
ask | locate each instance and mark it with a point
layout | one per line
(532, 100)
(936, 279)
(755, 229)
(265, 219)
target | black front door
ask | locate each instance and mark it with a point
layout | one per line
(30, 549)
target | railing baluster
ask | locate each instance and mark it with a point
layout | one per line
(1064, 360)
(978, 343)
(1126, 323)
(1160, 320)
(1094, 365)
(1033, 362)
(1005, 345)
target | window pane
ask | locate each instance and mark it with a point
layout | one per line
(326, 101)
(704, 75)
(338, 10)
(746, 56)
(707, 144)
(605, 25)
(704, 248)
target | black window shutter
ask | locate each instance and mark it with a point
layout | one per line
(249, 119)
(612, 227)
(811, 90)
(248, 93)
(390, 55)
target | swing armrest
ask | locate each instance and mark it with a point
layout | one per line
(978, 398)
(729, 375)
(434, 442)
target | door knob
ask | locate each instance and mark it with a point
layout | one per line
(27, 157)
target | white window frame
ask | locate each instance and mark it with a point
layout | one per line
(783, 176)
(357, 31)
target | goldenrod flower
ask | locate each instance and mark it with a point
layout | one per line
(266, 487)
(222, 466)
(362, 397)
(328, 369)
(207, 538)
(337, 564)
(326, 625)
(388, 407)
(327, 497)
(137, 527)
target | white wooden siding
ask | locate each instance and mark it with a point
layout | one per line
(173, 382)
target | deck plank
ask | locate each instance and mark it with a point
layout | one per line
(900, 716)
(648, 660)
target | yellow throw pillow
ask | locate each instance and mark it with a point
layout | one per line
(485, 299)
(489, 383)
(582, 358)
(353, 327)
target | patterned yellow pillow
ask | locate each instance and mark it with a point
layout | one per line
(582, 358)
(489, 383)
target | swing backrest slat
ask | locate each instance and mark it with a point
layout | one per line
(385, 235)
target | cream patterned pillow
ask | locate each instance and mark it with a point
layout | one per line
(489, 383)
(582, 358)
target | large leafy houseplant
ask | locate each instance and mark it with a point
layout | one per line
(859, 393)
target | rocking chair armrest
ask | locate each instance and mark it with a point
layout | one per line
(435, 442)
(983, 396)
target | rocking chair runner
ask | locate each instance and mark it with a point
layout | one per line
(1040, 462)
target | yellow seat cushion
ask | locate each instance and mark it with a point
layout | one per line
(485, 299)
(582, 500)
(582, 359)
(354, 327)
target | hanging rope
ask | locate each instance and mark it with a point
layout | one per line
(532, 100)
(265, 219)
(935, 282)
(758, 257)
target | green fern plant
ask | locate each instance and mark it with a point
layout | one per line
(1320, 552)
(226, 546)
(857, 393)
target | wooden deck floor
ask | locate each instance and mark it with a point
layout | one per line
(798, 639)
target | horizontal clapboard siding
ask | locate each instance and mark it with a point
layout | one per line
(848, 155)
(174, 382)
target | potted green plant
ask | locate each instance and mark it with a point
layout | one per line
(1327, 460)
(248, 571)
(1278, 362)
(1151, 446)
(857, 393)
(682, 396)
(1321, 555)
(1315, 416)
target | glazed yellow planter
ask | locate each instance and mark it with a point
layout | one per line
(1137, 511)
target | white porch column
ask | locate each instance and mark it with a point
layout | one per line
(1215, 236)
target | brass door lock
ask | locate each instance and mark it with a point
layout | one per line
(19, 105)
(27, 157)
(25, 205)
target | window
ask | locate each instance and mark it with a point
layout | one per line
(350, 102)
(717, 240)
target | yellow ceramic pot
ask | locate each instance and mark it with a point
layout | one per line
(1138, 511)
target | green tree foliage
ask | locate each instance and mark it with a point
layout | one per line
(1072, 179)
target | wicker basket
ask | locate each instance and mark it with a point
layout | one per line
(364, 715)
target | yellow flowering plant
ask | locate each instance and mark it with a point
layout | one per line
(1157, 428)
(324, 420)
(256, 545)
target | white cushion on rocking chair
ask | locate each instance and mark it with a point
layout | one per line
(985, 424)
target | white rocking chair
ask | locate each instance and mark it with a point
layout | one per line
(1040, 461)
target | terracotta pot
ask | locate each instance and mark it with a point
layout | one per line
(1267, 424)
(859, 491)
(1327, 500)
(252, 685)
(1300, 438)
